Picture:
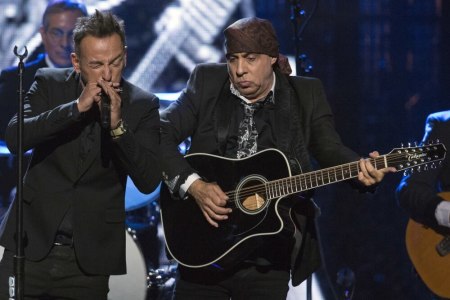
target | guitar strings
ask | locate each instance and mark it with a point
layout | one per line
(281, 189)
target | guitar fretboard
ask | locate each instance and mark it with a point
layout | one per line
(303, 182)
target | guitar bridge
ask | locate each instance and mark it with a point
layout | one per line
(443, 248)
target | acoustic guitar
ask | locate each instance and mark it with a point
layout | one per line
(429, 251)
(257, 187)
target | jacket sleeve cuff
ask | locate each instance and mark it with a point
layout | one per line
(187, 183)
(442, 213)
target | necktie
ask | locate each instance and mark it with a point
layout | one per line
(247, 134)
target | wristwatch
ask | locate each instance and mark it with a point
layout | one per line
(119, 130)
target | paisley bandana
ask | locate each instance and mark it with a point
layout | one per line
(255, 35)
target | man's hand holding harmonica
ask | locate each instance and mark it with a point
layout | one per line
(112, 91)
(93, 92)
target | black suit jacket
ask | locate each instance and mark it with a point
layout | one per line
(9, 85)
(417, 193)
(58, 177)
(303, 125)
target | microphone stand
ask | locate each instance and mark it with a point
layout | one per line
(300, 18)
(16, 282)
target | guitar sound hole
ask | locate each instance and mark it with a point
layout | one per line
(251, 194)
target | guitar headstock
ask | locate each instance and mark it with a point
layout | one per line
(417, 157)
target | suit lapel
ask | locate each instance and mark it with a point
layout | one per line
(89, 138)
(282, 126)
(223, 113)
(92, 139)
(71, 158)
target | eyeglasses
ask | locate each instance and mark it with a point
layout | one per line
(56, 35)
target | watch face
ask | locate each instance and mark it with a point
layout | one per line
(119, 130)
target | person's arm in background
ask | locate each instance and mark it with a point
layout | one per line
(417, 193)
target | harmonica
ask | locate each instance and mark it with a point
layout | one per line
(118, 90)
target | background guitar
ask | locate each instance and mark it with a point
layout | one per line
(429, 251)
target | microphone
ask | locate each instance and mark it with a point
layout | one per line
(105, 111)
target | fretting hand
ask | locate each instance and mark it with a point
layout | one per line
(368, 175)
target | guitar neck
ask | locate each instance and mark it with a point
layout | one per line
(303, 182)
(400, 158)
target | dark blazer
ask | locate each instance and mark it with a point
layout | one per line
(9, 85)
(417, 193)
(58, 177)
(303, 125)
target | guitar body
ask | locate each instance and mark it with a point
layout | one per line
(433, 269)
(193, 242)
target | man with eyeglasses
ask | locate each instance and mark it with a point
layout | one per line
(56, 32)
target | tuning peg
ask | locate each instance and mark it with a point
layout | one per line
(415, 143)
(402, 145)
(407, 172)
(433, 165)
(425, 167)
(409, 145)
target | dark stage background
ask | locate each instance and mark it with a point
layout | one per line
(384, 65)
